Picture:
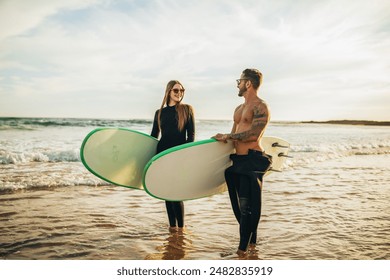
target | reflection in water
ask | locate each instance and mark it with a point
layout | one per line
(174, 247)
(306, 216)
(252, 254)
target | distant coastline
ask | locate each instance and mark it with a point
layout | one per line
(351, 122)
(73, 121)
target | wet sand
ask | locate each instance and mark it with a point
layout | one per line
(338, 210)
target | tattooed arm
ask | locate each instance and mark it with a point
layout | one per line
(259, 122)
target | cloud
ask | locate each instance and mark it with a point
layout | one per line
(19, 16)
(120, 54)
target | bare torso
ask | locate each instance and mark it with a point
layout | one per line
(250, 120)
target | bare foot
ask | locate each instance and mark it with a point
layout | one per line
(241, 253)
(181, 229)
(252, 246)
(173, 229)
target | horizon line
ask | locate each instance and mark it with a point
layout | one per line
(203, 119)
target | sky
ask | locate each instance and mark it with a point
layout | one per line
(321, 60)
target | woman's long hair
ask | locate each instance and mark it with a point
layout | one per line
(183, 110)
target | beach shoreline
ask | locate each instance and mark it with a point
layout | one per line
(329, 203)
(337, 210)
(350, 122)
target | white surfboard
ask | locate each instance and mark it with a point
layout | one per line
(196, 170)
(278, 149)
(118, 155)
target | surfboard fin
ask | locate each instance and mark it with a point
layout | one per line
(276, 144)
(274, 170)
(283, 155)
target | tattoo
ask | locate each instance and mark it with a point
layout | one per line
(259, 122)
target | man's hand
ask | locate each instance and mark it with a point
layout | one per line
(220, 137)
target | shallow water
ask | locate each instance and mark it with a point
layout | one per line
(330, 202)
(338, 210)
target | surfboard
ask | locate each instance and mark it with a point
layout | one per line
(196, 170)
(278, 149)
(118, 155)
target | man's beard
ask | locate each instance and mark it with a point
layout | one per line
(241, 92)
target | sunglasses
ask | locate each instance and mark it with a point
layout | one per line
(239, 81)
(176, 90)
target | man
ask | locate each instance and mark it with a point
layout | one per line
(244, 177)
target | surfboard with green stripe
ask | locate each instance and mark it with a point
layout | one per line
(196, 170)
(118, 155)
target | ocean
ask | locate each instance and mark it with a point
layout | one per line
(329, 203)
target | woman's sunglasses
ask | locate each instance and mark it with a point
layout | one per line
(176, 90)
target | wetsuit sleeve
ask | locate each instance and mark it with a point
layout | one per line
(190, 127)
(155, 130)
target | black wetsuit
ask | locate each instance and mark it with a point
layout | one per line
(244, 179)
(170, 137)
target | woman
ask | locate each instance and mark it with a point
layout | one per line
(177, 125)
